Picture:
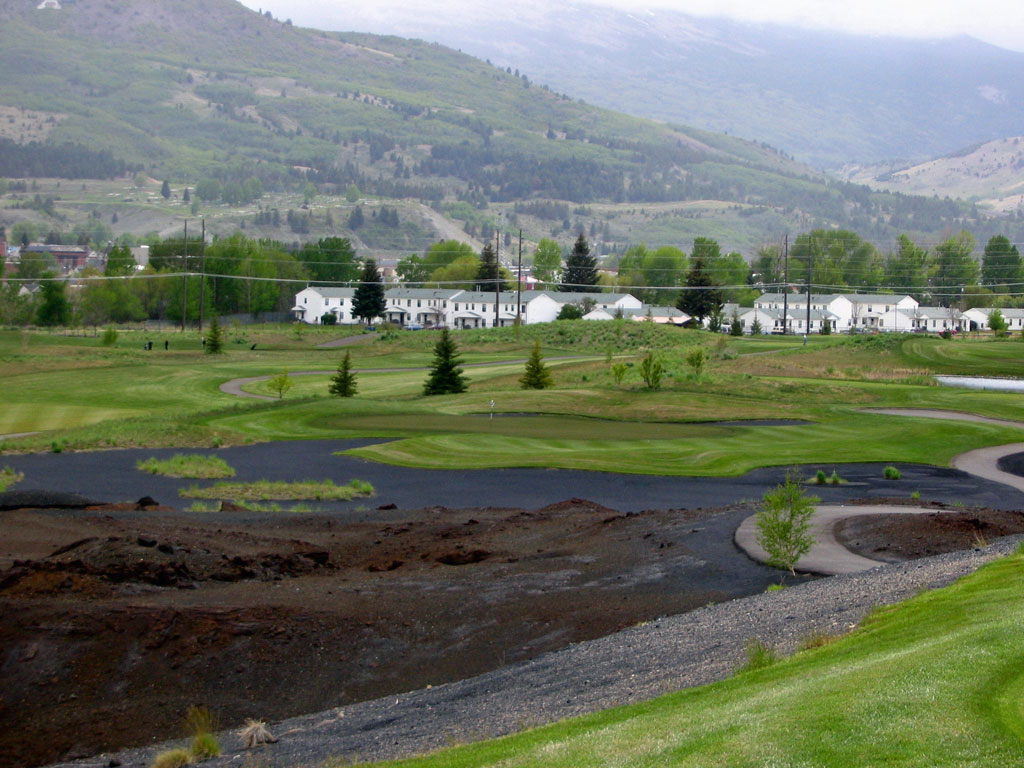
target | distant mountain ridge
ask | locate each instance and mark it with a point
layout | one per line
(213, 96)
(825, 97)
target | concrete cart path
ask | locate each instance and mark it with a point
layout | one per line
(827, 556)
(936, 413)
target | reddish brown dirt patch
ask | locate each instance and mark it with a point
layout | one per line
(114, 624)
(896, 537)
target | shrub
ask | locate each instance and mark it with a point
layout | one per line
(997, 323)
(783, 523)
(697, 358)
(916, 495)
(619, 372)
(172, 758)
(109, 337)
(891, 473)
(759, 656)
(254, 733)
(9, 477)
(204, 746)
(820, 477)
(651, 371)
(835, 479)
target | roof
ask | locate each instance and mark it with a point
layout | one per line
(332, 292)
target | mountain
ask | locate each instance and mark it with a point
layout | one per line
(825, 97)
(213, 96)
(990, 174)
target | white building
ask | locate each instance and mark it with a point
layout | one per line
(865, 312)
(978, 317)
(455, 308)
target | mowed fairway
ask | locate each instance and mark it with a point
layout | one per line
(87, 395)
(935, 681)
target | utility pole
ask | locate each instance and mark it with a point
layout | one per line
(785, 285)
(202, 276)
(810, 264)
(184, 281)
(519, 286)
(497, 281)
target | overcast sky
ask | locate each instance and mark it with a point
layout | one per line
(1000, 22)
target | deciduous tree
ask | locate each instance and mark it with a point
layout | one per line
(784, 521)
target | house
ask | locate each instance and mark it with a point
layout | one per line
(939, 319)
(313, 302)
(978, 318)
(850, 310)
(457, 308)
(644, 313)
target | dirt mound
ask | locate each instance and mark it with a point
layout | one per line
(896, 537)
(144, 560)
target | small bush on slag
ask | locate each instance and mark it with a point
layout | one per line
(759, 656)
(172, 758)
(891, 473)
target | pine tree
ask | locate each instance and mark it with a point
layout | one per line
(536, 376)
(580, 268)
(165, 189)
(488, 274)
(700, 298)
(368, 301)
(736, 328)
(215, 338)
(343, 383)
(445, 374)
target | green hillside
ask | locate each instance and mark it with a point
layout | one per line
(200, 91)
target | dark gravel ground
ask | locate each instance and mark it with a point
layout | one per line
(111, 476)
(630, 666)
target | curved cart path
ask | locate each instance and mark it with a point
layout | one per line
(826, 556)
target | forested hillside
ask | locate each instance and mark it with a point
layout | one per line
(242, 98)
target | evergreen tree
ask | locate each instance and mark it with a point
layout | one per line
(755, 327)
(343, 383)
(368, 301)
(580, 268)
(736, 329)
(488, 273)
(186, 196)
(446, 375)
(55, 308)
(536, 376)
(165, 189)
(700, 298)
(214, 338)
(1000, 265)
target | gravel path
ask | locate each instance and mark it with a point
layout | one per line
(630, 666)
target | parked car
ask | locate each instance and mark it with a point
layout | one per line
(413, 327)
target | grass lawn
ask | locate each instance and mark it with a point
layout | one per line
(935, 681)
(82, 394)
